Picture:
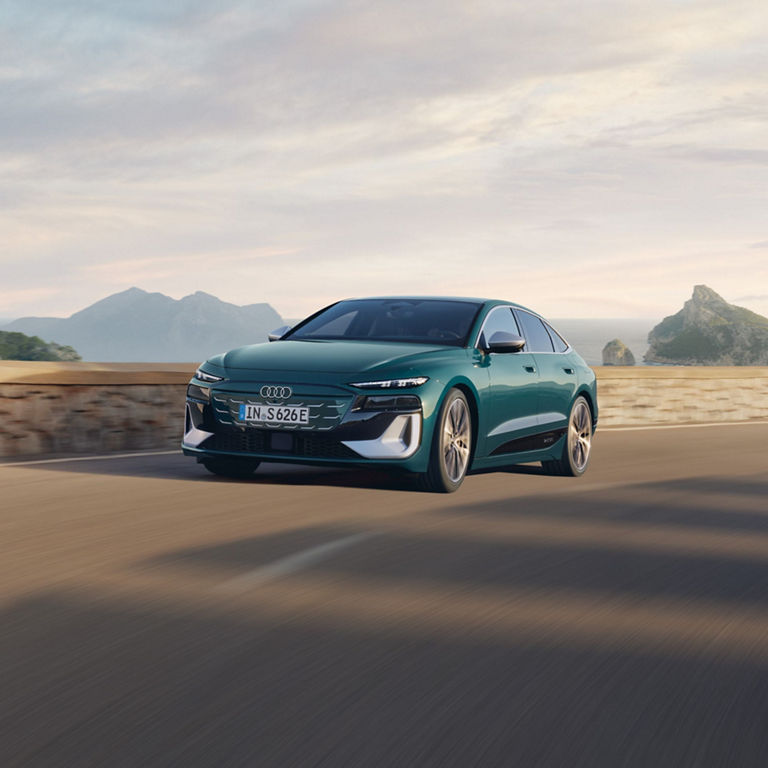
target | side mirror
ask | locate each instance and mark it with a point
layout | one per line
(278, 333)
(501, 341)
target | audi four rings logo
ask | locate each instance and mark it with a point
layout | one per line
(275, 393)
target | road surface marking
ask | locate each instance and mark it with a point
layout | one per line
(89, 458)
(286, 566)
(681, 426)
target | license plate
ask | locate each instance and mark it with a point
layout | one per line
(275, 414)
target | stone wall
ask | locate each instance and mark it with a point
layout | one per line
(38, 419)
(641, 396)
(53, 408)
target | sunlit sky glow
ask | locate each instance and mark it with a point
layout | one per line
(589, 159)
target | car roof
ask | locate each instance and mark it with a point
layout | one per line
(473, 299)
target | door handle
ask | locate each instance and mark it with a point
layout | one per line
(568, 370)
(530, 368)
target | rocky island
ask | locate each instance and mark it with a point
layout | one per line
(616, 352)
(709, 331)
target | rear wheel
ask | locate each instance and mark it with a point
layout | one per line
(577, 445)
(451, 445)
(231, 467)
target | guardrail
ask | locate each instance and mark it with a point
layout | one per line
(51, 408)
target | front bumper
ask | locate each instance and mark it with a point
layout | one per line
(337, 433)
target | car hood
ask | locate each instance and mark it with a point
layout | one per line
(327, 356)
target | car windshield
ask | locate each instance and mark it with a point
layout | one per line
(417, 321)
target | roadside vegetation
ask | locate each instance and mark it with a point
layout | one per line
(19, 346)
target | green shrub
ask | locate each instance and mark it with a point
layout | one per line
(19, 346)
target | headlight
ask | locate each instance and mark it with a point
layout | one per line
(203, 376)
(415, 381)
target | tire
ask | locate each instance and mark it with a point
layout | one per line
(451, 450)
(241, 468)
(577, 446)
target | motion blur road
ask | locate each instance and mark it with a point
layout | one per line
(156, 615)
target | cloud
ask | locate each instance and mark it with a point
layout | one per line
(14, 301)
(373, 144)
(133, 271)
(727, 155)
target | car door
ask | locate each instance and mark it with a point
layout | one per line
(557, 377)
(513, 382)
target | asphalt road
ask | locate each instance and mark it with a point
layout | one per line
(155, 615)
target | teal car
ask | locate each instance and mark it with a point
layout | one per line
(434, 386)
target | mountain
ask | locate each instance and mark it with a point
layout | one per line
(710, 331)
(137, 326)
(19, 346)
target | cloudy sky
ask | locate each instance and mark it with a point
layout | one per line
(590, 158)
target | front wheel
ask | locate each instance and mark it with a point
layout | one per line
(578, 444)
(451, 445)
(241, 468)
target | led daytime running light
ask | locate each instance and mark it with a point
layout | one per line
(203, 376)
(414, 381)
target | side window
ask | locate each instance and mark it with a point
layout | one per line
(535, 333)
(560, 343)
(499, 319)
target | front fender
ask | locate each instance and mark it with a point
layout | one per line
(474, 384)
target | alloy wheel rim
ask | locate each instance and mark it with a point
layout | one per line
(456, 440)
(580, 435)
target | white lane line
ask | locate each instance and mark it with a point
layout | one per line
(285, 566)
(679, 426)
(89, 458)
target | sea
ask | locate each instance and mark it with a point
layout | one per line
(588, 337)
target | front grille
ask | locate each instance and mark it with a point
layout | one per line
(311, 446)
(325, 413)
